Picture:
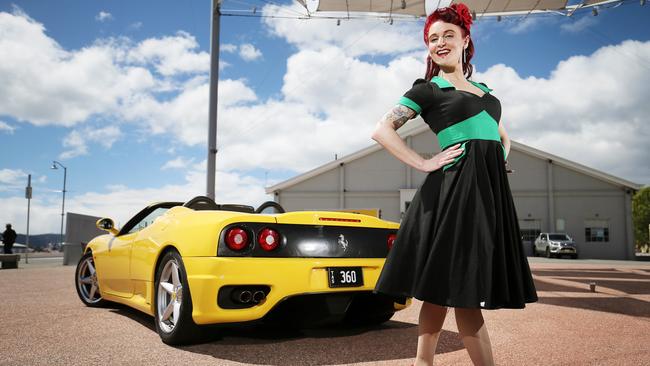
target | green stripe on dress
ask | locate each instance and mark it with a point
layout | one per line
(411, 104)
(478, 127)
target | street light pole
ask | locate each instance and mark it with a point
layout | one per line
(28, 195)
(65, 174)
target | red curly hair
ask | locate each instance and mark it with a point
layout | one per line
(459, 15)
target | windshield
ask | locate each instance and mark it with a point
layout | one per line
(558, 237)
(149, 219)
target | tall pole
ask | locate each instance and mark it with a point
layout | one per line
(65, 175)
(28, 195)
(214, 86)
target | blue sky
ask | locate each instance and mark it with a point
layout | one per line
(117, 92)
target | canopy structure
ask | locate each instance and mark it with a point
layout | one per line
(421, 8)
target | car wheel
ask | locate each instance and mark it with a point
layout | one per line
(548, 252)
(534, 250)
(86, 282)
(575, 256)
(173, 304)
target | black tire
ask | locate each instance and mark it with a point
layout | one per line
(548, 253)
(85, 280)
(534, 250)
(183, 330)
(575, 256)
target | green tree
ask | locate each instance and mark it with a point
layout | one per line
(641, 217)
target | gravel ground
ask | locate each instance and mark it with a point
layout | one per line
(42, 322)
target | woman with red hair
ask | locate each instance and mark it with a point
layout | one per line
(459, 243)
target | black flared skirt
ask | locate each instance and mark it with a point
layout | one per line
(459, 243)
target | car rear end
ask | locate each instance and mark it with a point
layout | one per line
(311, 267)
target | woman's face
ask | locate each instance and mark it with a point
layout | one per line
(446, 44)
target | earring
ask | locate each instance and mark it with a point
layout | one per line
(464, 61)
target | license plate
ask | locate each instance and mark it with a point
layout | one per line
(345, 276)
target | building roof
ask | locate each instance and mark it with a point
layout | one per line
(422, 128)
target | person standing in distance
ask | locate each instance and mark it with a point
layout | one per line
(8, 239)
(459, 243)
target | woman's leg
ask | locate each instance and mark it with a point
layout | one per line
(475, 336)
(431, 320)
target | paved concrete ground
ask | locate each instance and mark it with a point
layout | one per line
(42, 322)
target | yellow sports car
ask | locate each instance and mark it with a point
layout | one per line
(198, 263)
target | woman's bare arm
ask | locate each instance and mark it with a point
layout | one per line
(386, 135)
(505, 140)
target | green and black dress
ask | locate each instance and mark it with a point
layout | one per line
(459, 243)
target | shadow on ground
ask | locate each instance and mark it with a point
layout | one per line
(392, 340)
(266, 345)
(138, 316)
(617, 305)
(628, 283)
(591, 273)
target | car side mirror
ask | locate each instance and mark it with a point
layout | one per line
(107, 224)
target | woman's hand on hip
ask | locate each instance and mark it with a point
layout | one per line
(442, 158)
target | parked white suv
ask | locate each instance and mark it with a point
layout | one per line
(555, 245)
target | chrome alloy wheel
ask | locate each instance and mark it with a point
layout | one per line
(87, 281)
(170, 296)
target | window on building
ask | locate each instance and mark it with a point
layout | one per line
(596, 231)
(406, 207)
(529, 234)
(530, 229)
(560, 225)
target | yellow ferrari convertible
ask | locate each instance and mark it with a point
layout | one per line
(199, 263)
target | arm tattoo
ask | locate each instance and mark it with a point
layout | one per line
(398, 116)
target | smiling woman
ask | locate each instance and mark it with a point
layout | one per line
(458, 244)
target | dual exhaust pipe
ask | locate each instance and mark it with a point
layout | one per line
(248, 296)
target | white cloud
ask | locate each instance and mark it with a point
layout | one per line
(186, 115)
(228, 47)
(12, 179)
(574, 26)
(77, 140)
(43, 84)
(7, 128)
(171, 55)
(523, 24)
(248, 52)
(178, 163)
(103, 16)
(359, 37)
(135, 26)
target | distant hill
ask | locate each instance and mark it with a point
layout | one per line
(38, 241)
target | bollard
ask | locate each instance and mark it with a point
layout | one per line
(592, 286)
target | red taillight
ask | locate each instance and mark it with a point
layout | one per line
(237, 238)
(391, 240)
(268, 239)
